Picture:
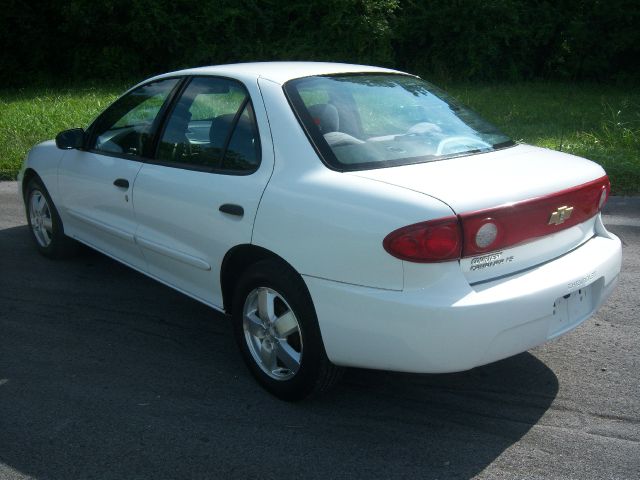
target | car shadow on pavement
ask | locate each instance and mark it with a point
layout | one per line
(105, 373)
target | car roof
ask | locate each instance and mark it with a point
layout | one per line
(278, 72)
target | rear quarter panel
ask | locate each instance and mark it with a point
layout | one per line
(329, 224)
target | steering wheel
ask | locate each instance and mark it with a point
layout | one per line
(340, 139)
(444, 143)
(424, 128)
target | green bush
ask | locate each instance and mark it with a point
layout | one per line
(442, 39)
(127, 39)
(519, 39)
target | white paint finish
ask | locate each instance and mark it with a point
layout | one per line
(173, 254)
(295, 155)
(503, 177)
(44, 158)
(116, 232)
(530, 253)
(180, 227)
(93, 209)
(279, 72)
(452, 326)
(179, 210)
(486, 180)
(332, 225)
(329, 226)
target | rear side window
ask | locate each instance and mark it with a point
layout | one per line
(242, 153)
(212, 127)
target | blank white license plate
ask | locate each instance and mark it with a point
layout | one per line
(572, 308)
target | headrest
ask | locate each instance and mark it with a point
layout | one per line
(325, 116)
(220, 129)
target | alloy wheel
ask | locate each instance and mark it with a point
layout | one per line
(272, 333)
(40, 217)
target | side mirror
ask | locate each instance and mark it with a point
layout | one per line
(69, 139)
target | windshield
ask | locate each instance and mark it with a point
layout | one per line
(366, 121)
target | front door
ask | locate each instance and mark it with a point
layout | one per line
(96, 183)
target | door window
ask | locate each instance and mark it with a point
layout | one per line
(212, 127)
(126, 127)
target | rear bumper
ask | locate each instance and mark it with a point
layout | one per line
(452, 326)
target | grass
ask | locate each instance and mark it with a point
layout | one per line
(31, 115)
(601, 123)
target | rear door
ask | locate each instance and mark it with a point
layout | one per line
(199, 197)
(95, 183)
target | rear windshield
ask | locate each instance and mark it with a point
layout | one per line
(362, 121)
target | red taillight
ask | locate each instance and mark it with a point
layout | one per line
(488, 230)
(604, 195)
(529, 219)
(434, 241)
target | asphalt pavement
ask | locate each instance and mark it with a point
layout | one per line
(106, 374)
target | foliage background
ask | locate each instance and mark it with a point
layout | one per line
(446, 40)
(561, 74)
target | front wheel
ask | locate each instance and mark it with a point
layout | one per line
(45, 223)
(277, 332)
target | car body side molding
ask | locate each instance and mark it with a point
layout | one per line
(116, 232)
(172, 253)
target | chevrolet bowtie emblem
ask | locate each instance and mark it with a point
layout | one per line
(560, 215)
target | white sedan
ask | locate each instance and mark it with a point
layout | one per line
(343, 215)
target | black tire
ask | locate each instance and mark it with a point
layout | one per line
(51, 243)
(315, 373)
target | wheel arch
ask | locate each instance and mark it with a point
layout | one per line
(236, 261)
(27, 176)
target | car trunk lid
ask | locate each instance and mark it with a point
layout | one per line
(543, 203)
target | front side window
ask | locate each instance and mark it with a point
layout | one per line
(126, 127)
(375, 120)
(212, 127)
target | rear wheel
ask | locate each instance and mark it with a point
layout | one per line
(44, 222)
(277, 332)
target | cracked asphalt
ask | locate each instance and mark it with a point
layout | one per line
(105, 374)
